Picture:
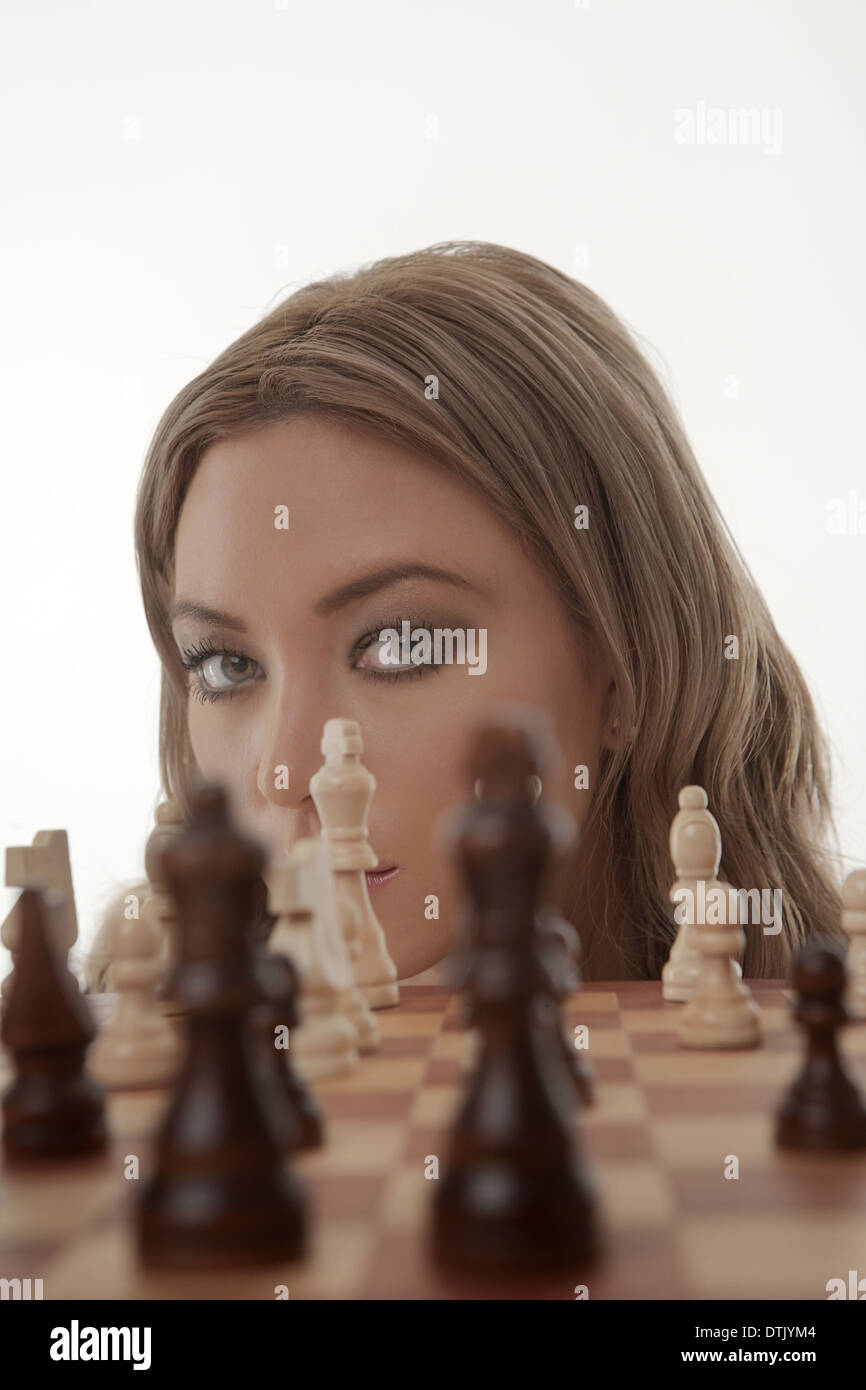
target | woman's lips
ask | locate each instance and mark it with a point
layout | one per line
(377, 877)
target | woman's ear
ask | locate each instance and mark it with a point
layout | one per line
(613, 736)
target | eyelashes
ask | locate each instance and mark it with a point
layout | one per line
(194, 658)
(408, 672)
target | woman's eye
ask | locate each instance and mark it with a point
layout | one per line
(221, 671)
(377, 656)
(383, 659)
(217, 674)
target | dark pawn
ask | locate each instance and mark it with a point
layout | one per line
(221, 1195)
(559, 949)
(296, 1119)
(513, 1194)
(824, 1108)
(52, 1109)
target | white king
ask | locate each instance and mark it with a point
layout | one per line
(342, 791)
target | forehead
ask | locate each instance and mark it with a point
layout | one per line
(353, 498)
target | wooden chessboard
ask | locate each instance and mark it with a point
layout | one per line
(658, 1140)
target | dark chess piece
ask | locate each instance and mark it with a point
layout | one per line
(824, 1108)
(296, 1116)
(52, 1109)
(559, 949)
(221, 1195)
(513, 1194)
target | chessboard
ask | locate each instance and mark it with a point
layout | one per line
(666, 1127)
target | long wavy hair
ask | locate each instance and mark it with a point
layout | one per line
(547, 402)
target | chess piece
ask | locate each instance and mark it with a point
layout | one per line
(326, 1041)
(137, 1045)
(720, 1012)
(513, 1193)
(158, 907)
(296, 1119)
(349, 922)
(559, 944)
(854, 923)
(221, 1195)
(824, 1108)
(342, 791)
(52, 1109)
(684, 962)
(44, 864)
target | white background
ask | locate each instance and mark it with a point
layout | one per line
(170, 170)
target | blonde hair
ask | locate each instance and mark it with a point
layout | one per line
(546, 403)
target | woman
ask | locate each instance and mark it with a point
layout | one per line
(465, 439)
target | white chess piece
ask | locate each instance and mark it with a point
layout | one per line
(357, 1007)
(158, 907)
(45, 865)
(325, 1043)
(684, 962)
(137, 1046)
(854, 923)
(341, 925)
(342, 791)
(721, 1011)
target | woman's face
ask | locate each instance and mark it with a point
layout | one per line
(376, 536)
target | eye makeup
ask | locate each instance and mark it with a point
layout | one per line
(205, 660)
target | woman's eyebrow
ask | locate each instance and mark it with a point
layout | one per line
(387, 575)
(336, 599)
(187, 608)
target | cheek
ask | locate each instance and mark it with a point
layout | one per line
(577, 728)
(418, 777)
(571, 785)
(200, 735)
(214, 744)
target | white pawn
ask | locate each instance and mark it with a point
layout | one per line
(325, 1043)
(342, 791)
(137, 1046)
(721, 1011)
(854, 923)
